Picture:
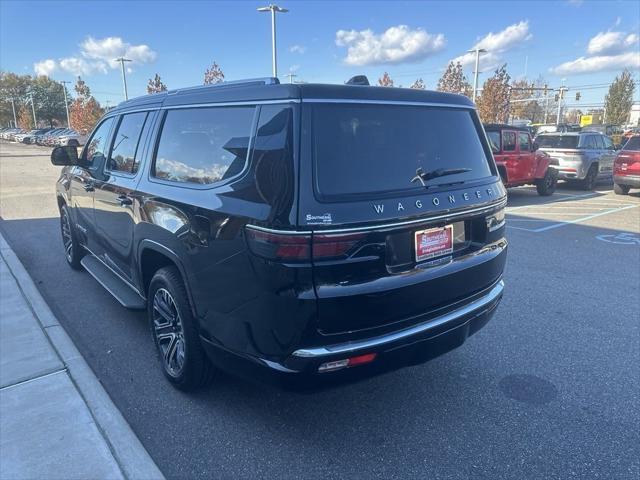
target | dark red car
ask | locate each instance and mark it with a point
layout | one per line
(626, 167)
(518, 160)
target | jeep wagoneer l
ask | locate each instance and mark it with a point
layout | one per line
(290, 233)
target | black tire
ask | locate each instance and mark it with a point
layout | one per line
(547, 184)
(590, 180)
(621, 189)
(73, 251)
(175, 333)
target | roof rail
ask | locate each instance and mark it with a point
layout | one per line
(249, 81)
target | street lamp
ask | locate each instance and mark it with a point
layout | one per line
(273, 9)
(477, 51)
(124, 78)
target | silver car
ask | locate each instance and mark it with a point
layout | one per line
(584, 157)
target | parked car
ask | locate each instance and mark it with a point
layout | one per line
(43, 137)
(518, 160)
(30, 136)
(626, 167)
(72, 138)
(612, 131)
(11, 133)
(583, 157)
(292, 233)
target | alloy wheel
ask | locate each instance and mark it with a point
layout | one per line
(67, 238)
(167, 328)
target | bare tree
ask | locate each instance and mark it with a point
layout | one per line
(156, 85)
(213, 75)
(418, 84)
(385, 80)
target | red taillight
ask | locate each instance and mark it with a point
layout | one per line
(347, 362)
(330, 246)
(362, 359)
(279, 246)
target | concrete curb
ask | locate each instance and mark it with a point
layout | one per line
(127, 450)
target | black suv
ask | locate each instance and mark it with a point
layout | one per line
(292, 233)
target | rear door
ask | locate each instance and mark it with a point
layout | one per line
(115, 193)
(607, 156)
(526, 164)
(388, 240)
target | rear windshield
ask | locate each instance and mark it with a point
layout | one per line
(364, 149)
(632, 144)
(557, 141)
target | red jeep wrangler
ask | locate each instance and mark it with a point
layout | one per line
(518, 161)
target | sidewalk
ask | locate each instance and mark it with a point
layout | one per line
(56, 420)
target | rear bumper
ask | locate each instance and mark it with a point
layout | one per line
(632, 180)
(410, 346)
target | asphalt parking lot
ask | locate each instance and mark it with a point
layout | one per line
(548, 389)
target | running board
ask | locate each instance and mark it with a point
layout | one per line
(113, 283)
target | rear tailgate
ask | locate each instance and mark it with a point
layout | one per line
(384, 257)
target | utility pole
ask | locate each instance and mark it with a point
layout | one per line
(15, 119)
(560, 97)
(273, 9)
(124, 78)
(33, 110)
(477, 51)
(291, 75)
(546, 102)
(66, 103)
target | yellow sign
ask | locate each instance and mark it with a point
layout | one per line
(586, 120)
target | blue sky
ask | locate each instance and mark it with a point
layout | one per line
(584, 42)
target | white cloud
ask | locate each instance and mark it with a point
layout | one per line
(611, 42)
(608, 51)
(496, 44)
(599, 63)
(45, 67)
(575, 3)
(395, 45)
(97, 56)
(297, 49)
(294, 68)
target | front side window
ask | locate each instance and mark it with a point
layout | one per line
(203, 145)
(525, 145)
(508, 141)
(125, 143)
(95, 152)
(368, 150)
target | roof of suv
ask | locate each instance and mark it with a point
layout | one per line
(270, 89)
(503, 126)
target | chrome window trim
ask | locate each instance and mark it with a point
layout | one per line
(484, 302)
(387, 102)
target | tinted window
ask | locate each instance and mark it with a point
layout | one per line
(557, 141)
(608, 143)
(366, 149)
(508, 141)
(494, 140)
(203, 145)
(524, 142)
(588, 142)
(96, 149)
(632, 144)
(125, 143)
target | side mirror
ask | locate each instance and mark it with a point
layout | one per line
(64, 156)
(535, 146)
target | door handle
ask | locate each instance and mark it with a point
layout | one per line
(89, 187)
(124, 200)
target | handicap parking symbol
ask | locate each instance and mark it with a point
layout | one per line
(623, 238)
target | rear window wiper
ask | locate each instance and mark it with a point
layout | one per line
(424, 177)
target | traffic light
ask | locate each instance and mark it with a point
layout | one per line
(577, 96)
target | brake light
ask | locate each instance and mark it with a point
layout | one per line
(347, 362)
(330, 246)
(279, 246)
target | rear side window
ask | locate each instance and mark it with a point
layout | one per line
(633, 144)
(557, 141)
(361, 149)
(95, 152)
(589, 142)
(494, 140)
(523, 138)
(125, 143)
(608, 143)
(508, 141)
(203, 145)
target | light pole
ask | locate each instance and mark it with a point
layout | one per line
(291, 75)
(124, 78)
(560, 97)
(273, 9)
(66, 103)
(15, 119)
(477, 51)
(33, 110)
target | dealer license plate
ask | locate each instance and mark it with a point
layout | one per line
(433, 243)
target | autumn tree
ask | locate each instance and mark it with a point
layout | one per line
(85, 111)
(25, 117)
(385, 80)
(213, 74)
(493, 104)
(156, 85)
(453, 80)
(617, 103)
(418, 84)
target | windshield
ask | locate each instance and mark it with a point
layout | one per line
(368, 149)
(632, 144)
(494, 140)
(557, 141)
